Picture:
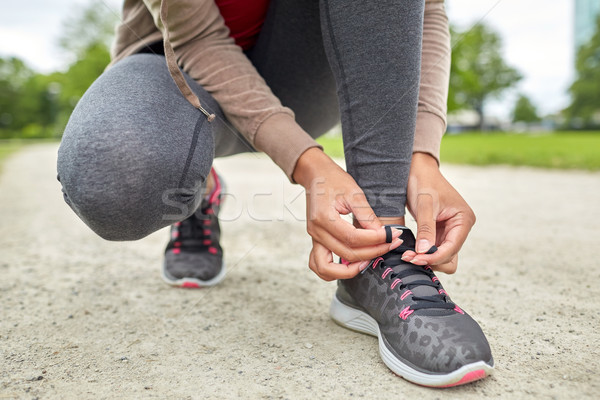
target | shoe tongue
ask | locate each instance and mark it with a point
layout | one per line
(393, 259)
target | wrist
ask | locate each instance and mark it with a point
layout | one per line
(310, 165)
(423, 161)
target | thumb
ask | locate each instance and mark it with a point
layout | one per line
(363, 212)
(425, 223)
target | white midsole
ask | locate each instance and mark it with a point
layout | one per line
(360, 321)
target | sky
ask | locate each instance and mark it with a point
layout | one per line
(537, 39)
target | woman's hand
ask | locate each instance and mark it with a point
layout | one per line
(443, 217)
(330, 193)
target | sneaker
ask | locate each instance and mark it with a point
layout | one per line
(194, 257)
(423, 336)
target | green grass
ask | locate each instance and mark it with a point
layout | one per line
(564, 150)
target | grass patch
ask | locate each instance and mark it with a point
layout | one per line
(332, 145)
(563, 150)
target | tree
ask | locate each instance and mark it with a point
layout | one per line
(524, 110)
(584, 110)
(37, 105)
(477, 71)
(91, 25)
(27, 102)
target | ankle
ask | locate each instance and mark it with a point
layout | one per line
(210, 185)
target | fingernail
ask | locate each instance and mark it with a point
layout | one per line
(363, 265)
(405, 258)
(395, 243)
(397, 233)
(418, 262)
(422, 245)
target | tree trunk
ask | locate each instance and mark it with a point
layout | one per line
(479, 111)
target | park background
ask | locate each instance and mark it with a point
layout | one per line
(524, 90)
(81, 317)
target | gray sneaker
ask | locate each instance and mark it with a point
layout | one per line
(194, 257)
(423, 336)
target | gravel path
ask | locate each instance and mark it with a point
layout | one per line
(86, 318)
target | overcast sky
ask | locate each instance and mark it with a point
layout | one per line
(537, 37)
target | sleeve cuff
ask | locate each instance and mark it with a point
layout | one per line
(428, 134)
(284, 141)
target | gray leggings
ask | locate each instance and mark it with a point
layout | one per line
(134, 150)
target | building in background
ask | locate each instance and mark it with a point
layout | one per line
(586, 13)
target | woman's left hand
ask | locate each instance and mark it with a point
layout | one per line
(443, 217)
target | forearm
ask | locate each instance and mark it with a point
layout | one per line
(435, 75)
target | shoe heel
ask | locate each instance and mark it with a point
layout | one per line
(351, 318)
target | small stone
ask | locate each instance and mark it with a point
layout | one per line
(308, 345)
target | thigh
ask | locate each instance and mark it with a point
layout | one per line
(135, 154)
(289, 55)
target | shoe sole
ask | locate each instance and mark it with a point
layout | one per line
(359, 321)
(192, 283)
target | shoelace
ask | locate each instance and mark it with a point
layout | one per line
(439, 301)
(194, 233)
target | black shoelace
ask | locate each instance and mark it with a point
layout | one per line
(438, 301)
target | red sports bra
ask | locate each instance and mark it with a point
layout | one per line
(244, 18)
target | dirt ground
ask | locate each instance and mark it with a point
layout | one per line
(85, 318)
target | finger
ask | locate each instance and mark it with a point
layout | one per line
(449, 267)
(322, 264)
(358, 253)
(350, 236)
(425, 223)
(449, 247)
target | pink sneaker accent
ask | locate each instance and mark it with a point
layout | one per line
(376, 262)
(214, 195)
(212, 250)
(206, 222)
(458, 310)
(396, 282)
(405, 313)
(344, 261)
(469, 377)
(177, 244)
(206, 242)
(206, 232)
(176, 251)
(175, 234)
(190, 285)
(434, 279)
(405, 294)
(442, 291)
(386, 272)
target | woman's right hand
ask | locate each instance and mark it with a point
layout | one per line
(330, 193)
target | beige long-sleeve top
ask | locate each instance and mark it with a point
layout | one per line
(197, 41)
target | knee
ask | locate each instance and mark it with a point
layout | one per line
(120, 195)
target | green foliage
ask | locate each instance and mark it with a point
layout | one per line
(38, 106)
(28, 102)
(477, 71)
(584, 110)
(565, 150)
(524, 110)
(91, 25)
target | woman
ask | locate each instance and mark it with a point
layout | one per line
(194, 79)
